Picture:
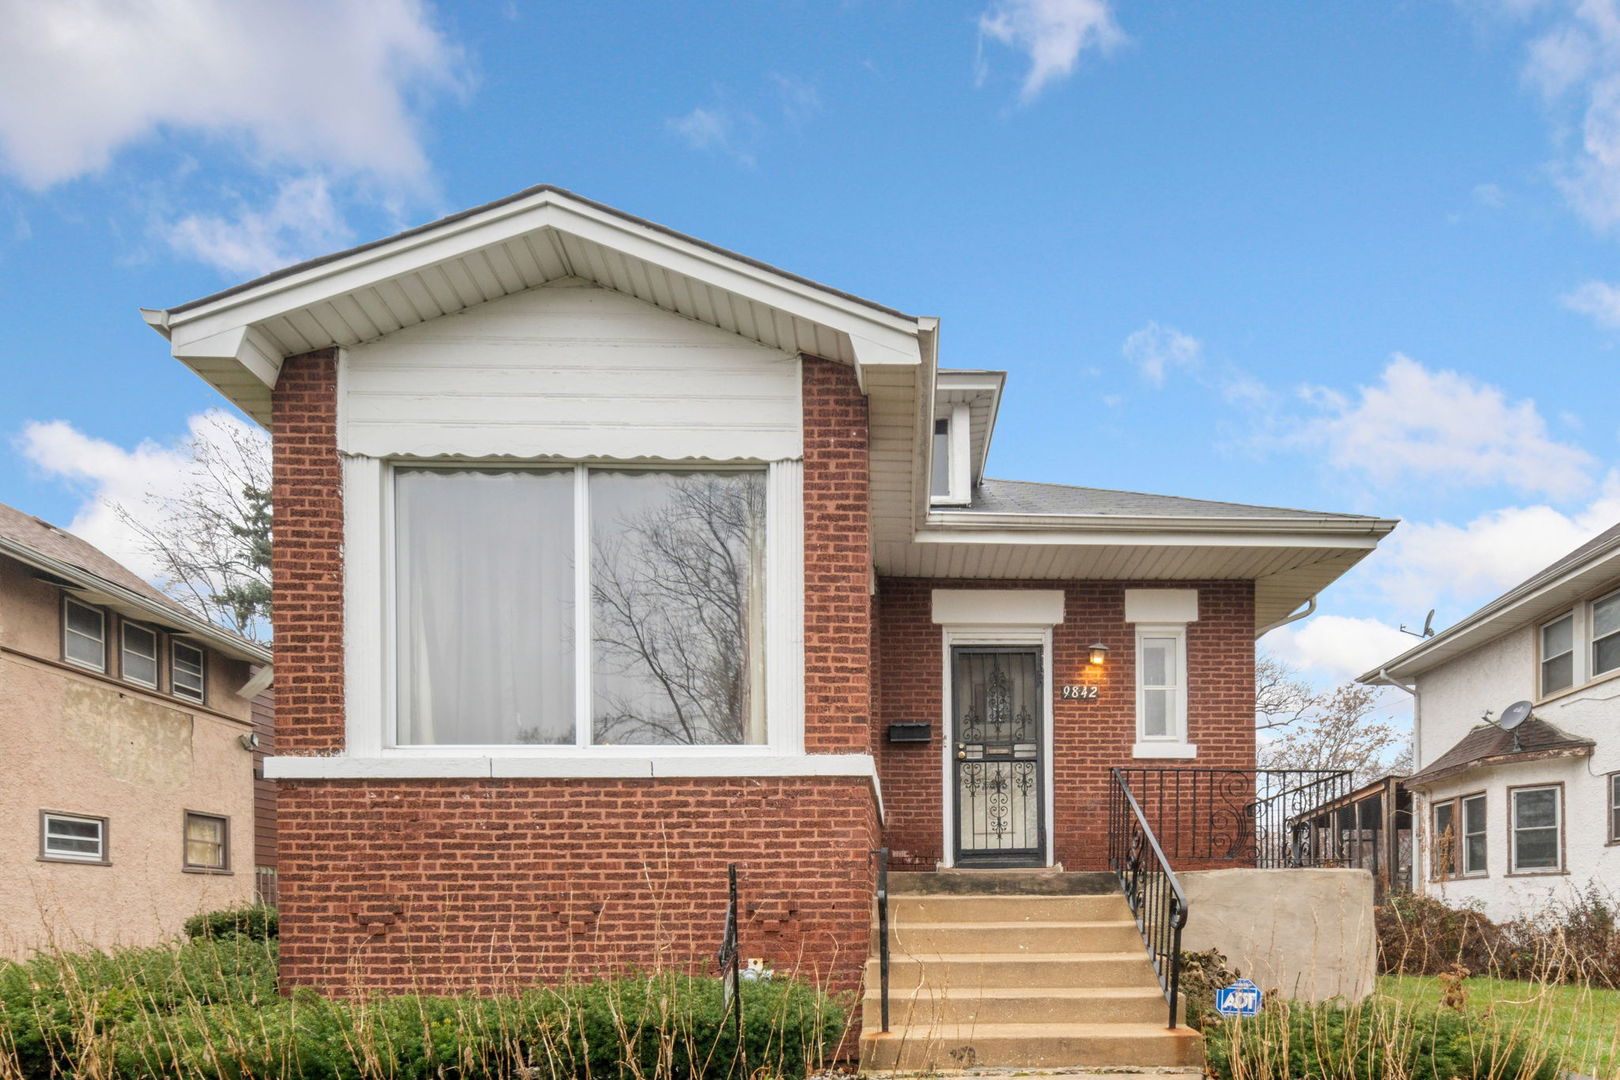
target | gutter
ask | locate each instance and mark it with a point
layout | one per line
(1310, 608)
(1374, 527)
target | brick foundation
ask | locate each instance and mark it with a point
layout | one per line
(1088, 737)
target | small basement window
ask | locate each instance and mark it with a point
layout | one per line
(207, 842)
(186, 673)
(72, 838)
(138, 660)
(84, 635)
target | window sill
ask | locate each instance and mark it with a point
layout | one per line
(207, 871)
(1537, 873)
(1568, 691)
(567, 765)
(72, 862)
(1164, 750)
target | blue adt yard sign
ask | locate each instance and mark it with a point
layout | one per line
(1242, 998)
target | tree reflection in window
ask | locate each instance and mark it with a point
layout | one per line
(677, 603)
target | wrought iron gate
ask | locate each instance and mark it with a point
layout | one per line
(996, 699)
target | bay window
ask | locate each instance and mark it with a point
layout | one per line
(579, 605)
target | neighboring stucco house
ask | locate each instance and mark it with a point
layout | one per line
(1511, 818)
(605, 557)
(126, 789)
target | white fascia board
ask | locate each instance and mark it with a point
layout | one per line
(247, 346)
(966, 523)
(1145, 534)
(1501, 616)
(888, 338)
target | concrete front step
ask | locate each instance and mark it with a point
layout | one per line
(1004, 883)
(916, 908)
(1045, 938)
(1015, 1005)
(966, 1046)
(997, 970)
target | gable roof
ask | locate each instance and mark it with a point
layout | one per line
(1487, 744)
(1026, 497)
(1589, 567)
(101, 579)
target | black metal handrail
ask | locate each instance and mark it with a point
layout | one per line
(882, 856)
(731, 968)
(1151, 888)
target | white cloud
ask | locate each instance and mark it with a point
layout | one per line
(1418, 424)
(1156, 349)
(1490, 195)
(320, 83)
(1337, 647)
(1598, 301)
(800, 99)
(1052, 33)
(712, 129)
(303, 221)
(1458, 568)
(107, 475)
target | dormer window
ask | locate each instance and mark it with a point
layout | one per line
(950, 472)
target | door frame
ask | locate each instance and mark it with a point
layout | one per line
(1039, 637)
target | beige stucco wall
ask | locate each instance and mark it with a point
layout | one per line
(1307, 934)
(87, 744)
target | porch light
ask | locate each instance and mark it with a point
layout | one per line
(1099, 652)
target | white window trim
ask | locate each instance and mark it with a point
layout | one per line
(45, 852)
(369, 646)
(959, 443)
(1176, 744)
(1513, 829)
(124, 628)
(1592, 638)
(69, 602)
(1578, 662)
(953, 635)
(175, 644)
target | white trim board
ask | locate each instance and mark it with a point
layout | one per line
(998, 607)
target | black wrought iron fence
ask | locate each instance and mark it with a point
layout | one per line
(1242, 817)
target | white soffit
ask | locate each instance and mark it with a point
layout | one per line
(237, 339)
(998, 607)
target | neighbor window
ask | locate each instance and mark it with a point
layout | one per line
(84, 635)
(72, 838)
(1614, 808)
(1558, 655)
(1443, 852)
(579, 606)
(1537, 819)
(1473, 835)
(186, 671)
(1161, 686)
(207, 844)
(138, 659)
(1606, 635)
(940, 487)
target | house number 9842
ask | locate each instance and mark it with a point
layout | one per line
(1079, 693)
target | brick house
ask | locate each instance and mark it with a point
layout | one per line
(606, 557)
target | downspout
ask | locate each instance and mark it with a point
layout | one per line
(1310, 607)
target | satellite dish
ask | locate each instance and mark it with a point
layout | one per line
(1428, 625)
(1514, 715)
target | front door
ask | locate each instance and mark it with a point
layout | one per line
(996, 718)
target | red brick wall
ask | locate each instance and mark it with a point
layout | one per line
(306, 561)
(488, 884)
(837, 563)
(1088, 737)
(478, 884)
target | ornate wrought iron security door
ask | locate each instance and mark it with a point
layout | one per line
(996, 699)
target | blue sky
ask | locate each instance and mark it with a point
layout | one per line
(1353, 257)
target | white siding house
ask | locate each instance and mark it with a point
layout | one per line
(1509, 820)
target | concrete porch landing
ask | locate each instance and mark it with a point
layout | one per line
(1018, 970)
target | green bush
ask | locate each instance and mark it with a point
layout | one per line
(1376, 1040)
(254, 922)
(208, 1010)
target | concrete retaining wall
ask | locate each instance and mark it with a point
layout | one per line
(1307, 934)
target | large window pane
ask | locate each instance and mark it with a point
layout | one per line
(1474, 835)
(83, 639)
(677, 605)
(1156, 713)
(1557, 655)
(1535, 829)
(485, 569)
(1445, 839)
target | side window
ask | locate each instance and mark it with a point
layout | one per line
(84, 635)
(187, 672)
(1473, 835)
(1161, 684)
(1606, 635)
(1614, 808)
(1558, 655)
(72, 838)
(940, 483)
(1537, 841)
(138, 659)
(1443, 852)
(207, 844)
